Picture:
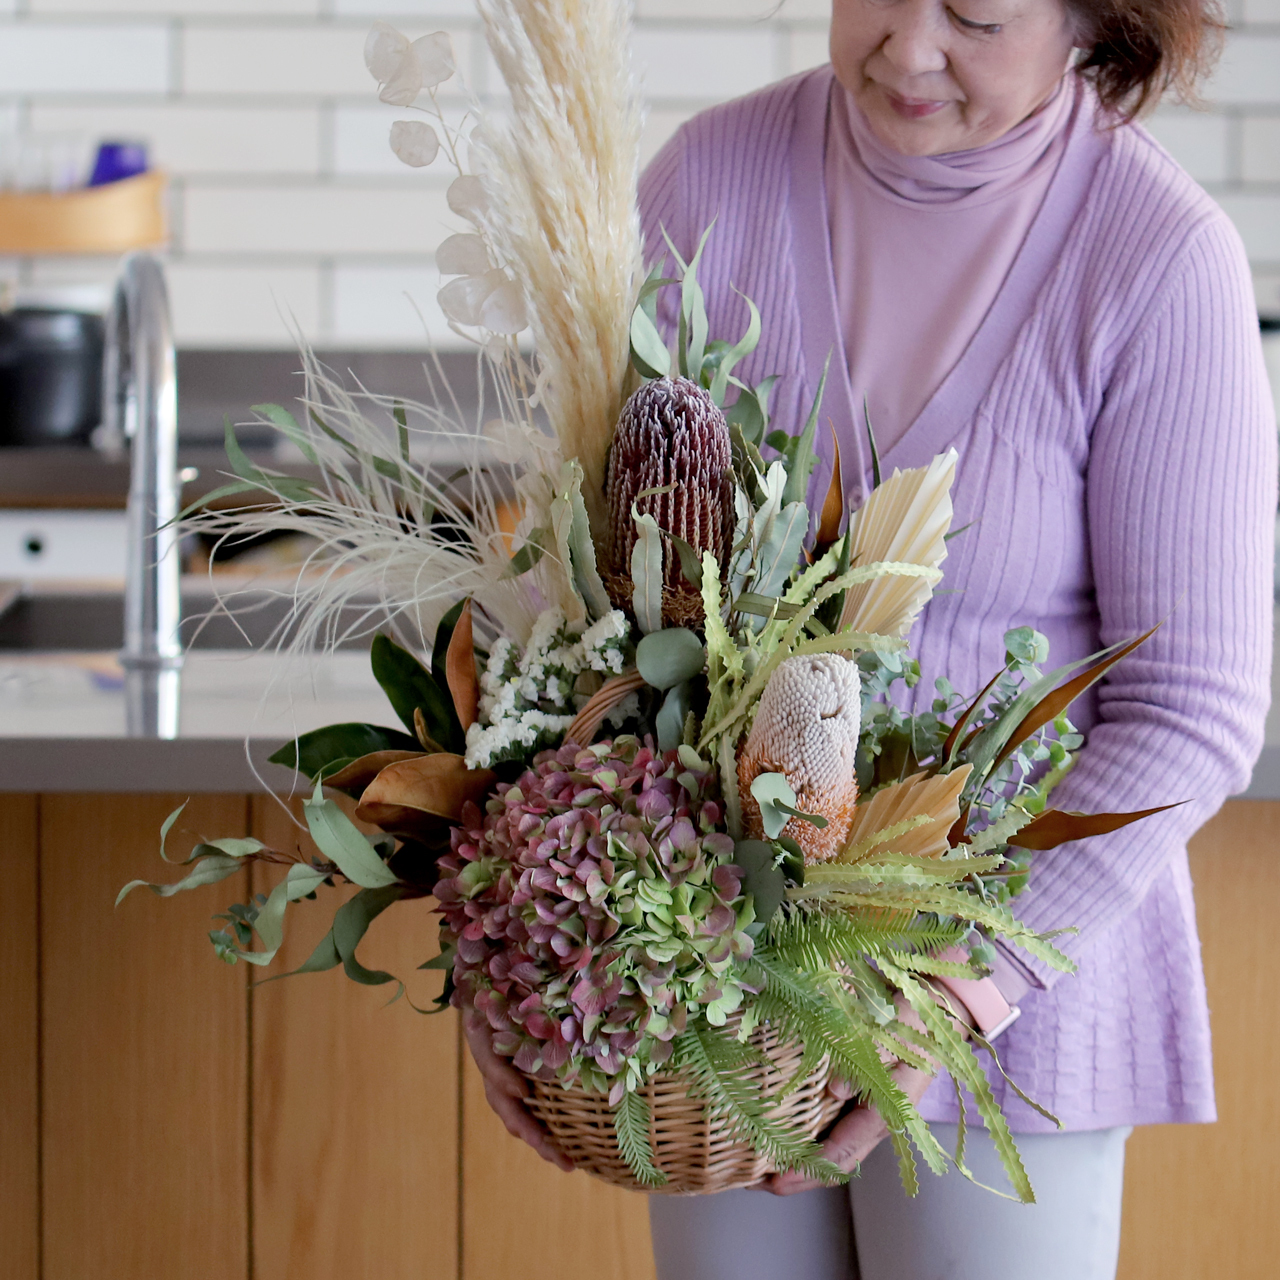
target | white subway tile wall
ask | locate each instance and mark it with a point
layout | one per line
(290, 214)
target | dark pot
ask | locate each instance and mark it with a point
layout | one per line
(50, 376)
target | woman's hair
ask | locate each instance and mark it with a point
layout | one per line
(1135, 51)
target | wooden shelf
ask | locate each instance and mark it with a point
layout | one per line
(114, 218)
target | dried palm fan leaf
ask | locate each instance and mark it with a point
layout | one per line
(895, 806)
(904, 520)
(561, 181)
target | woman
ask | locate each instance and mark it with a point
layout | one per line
(962, 211)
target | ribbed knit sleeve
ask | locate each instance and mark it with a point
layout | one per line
(1181, 496)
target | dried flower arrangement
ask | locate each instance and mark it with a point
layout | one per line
(687, 856)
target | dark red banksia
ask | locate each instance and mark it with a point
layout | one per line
(670, 433)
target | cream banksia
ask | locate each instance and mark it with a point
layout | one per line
(671, 434)
(806, 728)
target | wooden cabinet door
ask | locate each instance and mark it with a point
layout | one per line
(19, 1039)
(523, 1217)
(355, 1104)
(144, 1050)
(1204, 1200)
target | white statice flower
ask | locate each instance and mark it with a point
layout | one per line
(527, 701)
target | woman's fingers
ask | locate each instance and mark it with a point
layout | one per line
(841, 1089)
(505, 1089)
(854, 1137)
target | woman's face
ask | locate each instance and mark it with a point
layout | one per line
(933, 76)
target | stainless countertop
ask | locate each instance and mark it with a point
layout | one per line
(62, 720)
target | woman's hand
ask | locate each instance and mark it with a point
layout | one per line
(505, 1089)
(856, 1135)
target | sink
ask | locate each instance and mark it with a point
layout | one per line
(86, 620)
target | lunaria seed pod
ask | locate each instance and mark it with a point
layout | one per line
(671, 435)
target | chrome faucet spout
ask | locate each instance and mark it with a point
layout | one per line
(141, 405)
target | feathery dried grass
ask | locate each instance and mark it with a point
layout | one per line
(398, 544)
(561, 178)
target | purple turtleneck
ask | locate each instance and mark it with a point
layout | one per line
(921, 245)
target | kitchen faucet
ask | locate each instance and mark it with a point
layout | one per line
(140, 403)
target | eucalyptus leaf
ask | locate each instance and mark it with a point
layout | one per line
(342, 842)
(669, 722)
(777, 800)
(350, 924)
(209, 870)
(739, 351)
(765, 881)
(670, 657)
(269, 922)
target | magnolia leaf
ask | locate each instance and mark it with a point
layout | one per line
(360, 772)
(414, 143)
(761, 878)
(648, 352)
(460, 670)
(646, 572)
(776, 798)
(669, 722)
(408, 686)
(344, 844)
(1059, 826)
(438, 785)
(314, 754)
(670, 657)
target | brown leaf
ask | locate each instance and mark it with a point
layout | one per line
(437, 785)
(948, 747)
(833, 504)
(605, 698)
(420, 732)
(460, 670)
(1057, 826)
(361, 772)
(1055, 703)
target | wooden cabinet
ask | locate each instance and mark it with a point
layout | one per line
(163, 1119)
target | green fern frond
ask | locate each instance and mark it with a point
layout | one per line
(631, 1126)
(701, 1051)
(958, 1057)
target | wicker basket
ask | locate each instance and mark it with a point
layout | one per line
(698, 1152)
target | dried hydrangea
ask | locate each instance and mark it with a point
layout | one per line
(529, 699)
(595, 909)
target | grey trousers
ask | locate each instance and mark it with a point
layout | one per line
(951, 1231)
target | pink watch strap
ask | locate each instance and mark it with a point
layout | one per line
(991, 1012)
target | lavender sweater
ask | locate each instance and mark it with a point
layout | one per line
(1118, 457)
